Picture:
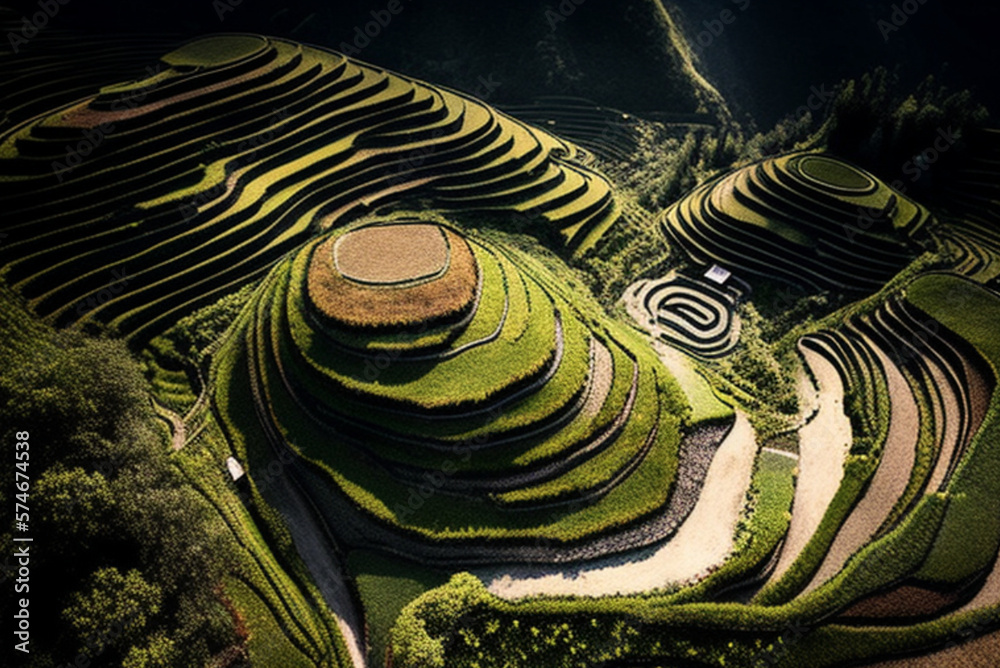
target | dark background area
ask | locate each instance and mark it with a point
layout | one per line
(766, 61)
(611, 51)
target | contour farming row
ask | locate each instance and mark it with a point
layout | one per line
(807, 219)
(451, 404)
(155, 197)
(903, 541)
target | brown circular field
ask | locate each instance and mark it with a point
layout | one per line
(372, 305)
(389, 254)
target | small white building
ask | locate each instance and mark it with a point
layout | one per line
(718, 275)
(235, 469)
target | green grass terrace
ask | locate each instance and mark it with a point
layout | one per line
(806, 219)
(507, 422)
(238, 149)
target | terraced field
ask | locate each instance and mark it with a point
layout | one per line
(904, 558)
(235, 150)
(804, 218)
(606, 133)
(971, 194)
(416, 377)
(494, 418)
(933, 388)
(46, 76)
(687, 313)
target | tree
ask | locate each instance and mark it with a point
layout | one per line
(75, 503)
(113, 608)
(159, 651)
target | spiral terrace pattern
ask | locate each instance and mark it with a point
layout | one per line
(236, 150)
(502, 399)
(804, 218)
(690, 315)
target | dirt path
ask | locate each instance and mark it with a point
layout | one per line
(703, 541)
(603, 375)
(313, 542)
(809, 396)
(949, 434)
(176, 423)
(888, 483)
(824, 442)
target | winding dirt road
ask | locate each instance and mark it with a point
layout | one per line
(824, 443)
(703, 542)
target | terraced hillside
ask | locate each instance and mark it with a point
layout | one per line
(806, 219)
(607, 133)
(453, 405)
(366, 309)
(970, 206)
(237, 149)
(917, 395)
(903, 561)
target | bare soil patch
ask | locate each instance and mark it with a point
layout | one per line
(359, 306)
(901, 602)
(980, 652)
(389, 254)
